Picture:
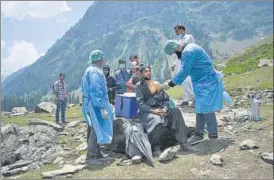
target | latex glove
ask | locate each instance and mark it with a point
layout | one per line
(104, 114)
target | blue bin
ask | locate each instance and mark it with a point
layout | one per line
(126, 106)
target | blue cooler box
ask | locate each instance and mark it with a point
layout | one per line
(126, 105)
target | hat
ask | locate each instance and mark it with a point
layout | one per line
(94, 56)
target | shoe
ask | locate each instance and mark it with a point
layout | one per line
(94, 163)
(195, 139)
(184, 103)
(136, 159)
(64, 122)
(168, 154)
(214, 145)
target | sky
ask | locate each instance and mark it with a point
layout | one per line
(30, 28)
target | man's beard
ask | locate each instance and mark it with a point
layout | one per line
(147, 78)
(179, 54)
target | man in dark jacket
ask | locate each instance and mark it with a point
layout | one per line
(112, 86)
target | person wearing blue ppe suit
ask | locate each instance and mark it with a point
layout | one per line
(96, 109)
(122, 75)
(207, 85)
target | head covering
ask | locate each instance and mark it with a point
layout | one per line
(94, 56)
(171, 46)
(143, 67)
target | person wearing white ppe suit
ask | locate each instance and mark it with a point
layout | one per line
(188, 94)
(96, 109)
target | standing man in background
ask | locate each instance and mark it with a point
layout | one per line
(188, 94)
(60, 90)
(122, 75)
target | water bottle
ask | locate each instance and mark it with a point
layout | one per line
(256, 110)
(228, 100)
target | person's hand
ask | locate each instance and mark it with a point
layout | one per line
(66, 96)
(159, 112)
(171, 84)
(56, 98)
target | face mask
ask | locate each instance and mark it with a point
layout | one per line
(179, 54)
(134, 63)
(122, 66)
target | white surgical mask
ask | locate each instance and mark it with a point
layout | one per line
(134, 63)
(122, 66)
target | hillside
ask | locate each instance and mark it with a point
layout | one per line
(250, 59)
(139, 27)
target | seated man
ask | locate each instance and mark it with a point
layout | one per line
(156, 116)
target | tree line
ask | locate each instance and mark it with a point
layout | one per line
(31, 100)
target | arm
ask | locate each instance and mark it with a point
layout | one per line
(130, 85)
(188, 58)
(97, 89)
(140, 100)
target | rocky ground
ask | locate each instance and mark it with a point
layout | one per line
(43, 149)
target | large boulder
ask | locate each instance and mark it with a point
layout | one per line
(21, 146)
(265, 63)
(45, 107)
(21, 110)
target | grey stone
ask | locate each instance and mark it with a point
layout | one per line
(268, 157)
(21, 110)
(248, 144)
(168, 154)
(45, 107)
(216, 159)
(66, 169)
(55, 126)
(73, 124)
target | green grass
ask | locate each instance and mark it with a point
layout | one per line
(175, 92)
(258, 79)
(250, 59)
(71, 114)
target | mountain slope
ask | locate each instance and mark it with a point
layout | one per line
(120, 28)
(250, 59)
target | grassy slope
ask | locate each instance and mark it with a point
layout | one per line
(250, 59)
(71, 114)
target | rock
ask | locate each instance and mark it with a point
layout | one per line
(18, 114)
(55, 126)
(15, 171)
(265, 63)
(216, 159)
(229, 127)
(57, 160)
(80, 160)
(267, 157)
(82, 147)
(66, 169)
(45, 107)
(21, 110)
(248, 144)
(71, 105)
(168, 154)
(16, 165)
(73, 124)
(23, 145)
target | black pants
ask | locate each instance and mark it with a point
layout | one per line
(93, 150)
(173, 130)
